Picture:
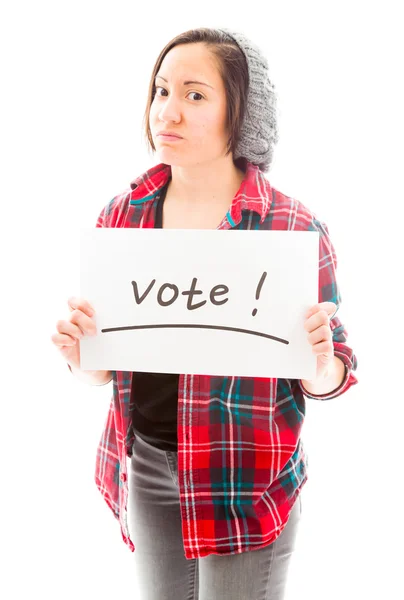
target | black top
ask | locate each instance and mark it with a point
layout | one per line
(154, 415)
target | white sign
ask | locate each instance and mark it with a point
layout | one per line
(207, 302)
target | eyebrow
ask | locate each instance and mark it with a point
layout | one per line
(187, 82)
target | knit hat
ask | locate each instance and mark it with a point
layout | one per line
(259, 130)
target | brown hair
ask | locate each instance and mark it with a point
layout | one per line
(233, 69)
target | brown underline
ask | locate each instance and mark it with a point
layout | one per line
(186, 326)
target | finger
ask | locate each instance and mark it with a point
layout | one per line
(63, 339)
(323, 348)
(317, 320)
(85, 323)
(69, 328)
(76, 303)
(329, 307)
(321, 334)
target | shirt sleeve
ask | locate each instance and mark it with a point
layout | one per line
(107, 214)
(100, 219)
(113, 213)
(329, 292)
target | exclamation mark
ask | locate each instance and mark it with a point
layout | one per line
(259, 287)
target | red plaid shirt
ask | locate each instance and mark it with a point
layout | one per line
(241, 462)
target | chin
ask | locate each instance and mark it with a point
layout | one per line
(174, 160)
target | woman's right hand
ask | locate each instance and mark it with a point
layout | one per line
(69, 332)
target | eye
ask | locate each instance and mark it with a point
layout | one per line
(196, 93)
(159, 88)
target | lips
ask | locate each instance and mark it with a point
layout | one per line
(169, 134)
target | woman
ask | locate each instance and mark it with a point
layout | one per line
(211, 501)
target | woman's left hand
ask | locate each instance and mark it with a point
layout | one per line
(317, 324)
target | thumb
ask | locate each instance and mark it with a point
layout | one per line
(331, 309)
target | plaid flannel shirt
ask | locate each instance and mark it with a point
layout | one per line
(241, 462)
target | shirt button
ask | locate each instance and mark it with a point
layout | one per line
(123, 476)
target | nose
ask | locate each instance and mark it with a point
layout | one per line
(170, 111)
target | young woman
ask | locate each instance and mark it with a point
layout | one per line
(211, 502)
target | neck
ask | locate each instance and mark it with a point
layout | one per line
(214, 182)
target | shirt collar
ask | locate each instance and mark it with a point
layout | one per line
(254, 194)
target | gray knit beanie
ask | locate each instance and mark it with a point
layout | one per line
(259, 130)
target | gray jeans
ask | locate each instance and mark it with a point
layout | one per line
(161, 570)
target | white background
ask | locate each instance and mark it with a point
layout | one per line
(74, 83)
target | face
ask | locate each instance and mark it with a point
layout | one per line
(194, 111)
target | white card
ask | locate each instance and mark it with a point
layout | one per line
(146, 284)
